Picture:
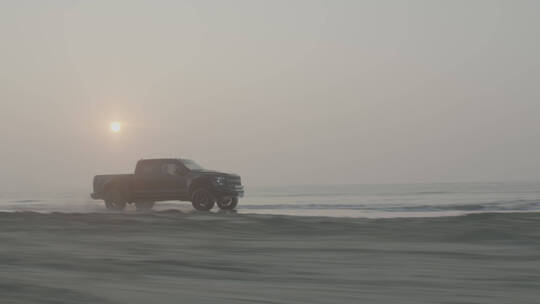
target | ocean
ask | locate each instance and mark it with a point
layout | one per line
(362, 201)
(420, 243)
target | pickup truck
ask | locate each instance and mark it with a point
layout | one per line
(169, 179)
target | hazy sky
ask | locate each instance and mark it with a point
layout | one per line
(281, 92)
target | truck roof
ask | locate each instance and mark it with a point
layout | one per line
(159, 159)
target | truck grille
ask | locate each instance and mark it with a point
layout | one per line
(234, 181)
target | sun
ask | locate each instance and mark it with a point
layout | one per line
(116, 126)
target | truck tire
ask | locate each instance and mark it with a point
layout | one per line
(202, 199)
(228, 203)
(144, 206)
(114, 200)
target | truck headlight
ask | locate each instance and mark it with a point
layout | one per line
(220, 181)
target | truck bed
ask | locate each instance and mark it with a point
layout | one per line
(101, 180)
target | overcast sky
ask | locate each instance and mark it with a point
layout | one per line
(281, 92)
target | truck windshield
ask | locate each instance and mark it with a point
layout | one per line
(191, 165)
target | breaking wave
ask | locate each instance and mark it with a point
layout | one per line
(521, 205)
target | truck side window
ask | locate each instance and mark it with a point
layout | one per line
(149, 168)
(169, 169)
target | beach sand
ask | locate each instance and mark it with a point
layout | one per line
(174, 257)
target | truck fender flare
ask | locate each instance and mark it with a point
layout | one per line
(201, 181)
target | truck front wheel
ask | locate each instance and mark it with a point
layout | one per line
(203, 200)
(114, 200)
(228, 203)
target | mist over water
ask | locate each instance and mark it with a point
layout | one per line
(280, 92)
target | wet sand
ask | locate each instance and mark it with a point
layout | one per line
(173, 257)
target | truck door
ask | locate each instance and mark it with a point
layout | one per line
(147, 179)
(173, 182)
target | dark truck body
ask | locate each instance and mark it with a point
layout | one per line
(167, 179)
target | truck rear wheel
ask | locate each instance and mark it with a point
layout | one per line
(143, 206)
(228, 203)
(203, 200)
(114, 200)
